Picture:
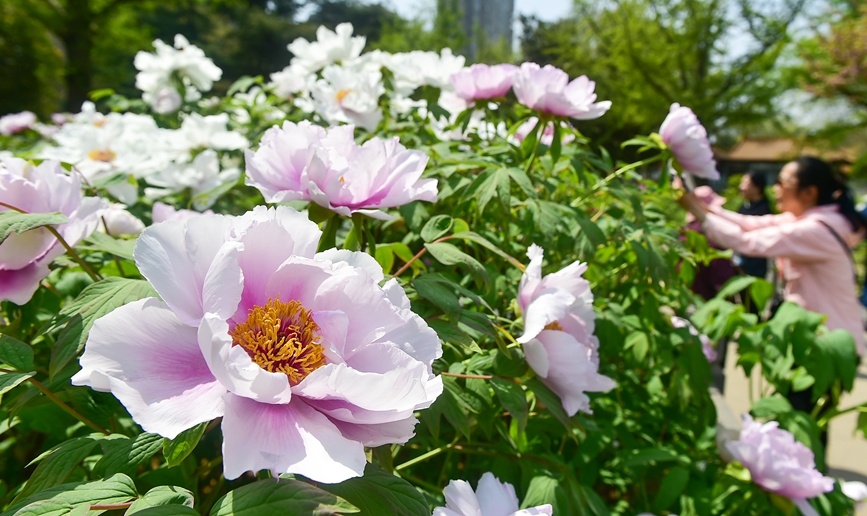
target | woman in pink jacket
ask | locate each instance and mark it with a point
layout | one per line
(811, 240)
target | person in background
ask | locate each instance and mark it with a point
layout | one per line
(710, 278)
(752, 189)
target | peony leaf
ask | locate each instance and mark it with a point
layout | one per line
(15, 222)
(121, 248)
(9, 381)
(162, 496)
(447, 254)
(167, 510)
(117, 489)
(378, 493)
(16, 353)
(281, 496)
(437, 227)
(177, 449)
(672, 486)
(513, 399)
(125, 455)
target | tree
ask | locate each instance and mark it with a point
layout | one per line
(647, 54)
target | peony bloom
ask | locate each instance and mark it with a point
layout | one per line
(547, 136)
(707, 346)
(417, 68)
(558, 332)
(160, 72)
(687, 139)
(857, 492)
(349, 96)
(306, 162)
(291, 81)
(304, 356)
(329, 48)
(548, 90)
(779, 464)
(198, 177)
(163, 212)
(46, 188)
(16, 122)
(120, 222)
(481, 81)
(205, 132)
(491, 498)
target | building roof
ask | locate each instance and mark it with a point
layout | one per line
(781, 150)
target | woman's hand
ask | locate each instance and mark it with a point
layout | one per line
(690, 201)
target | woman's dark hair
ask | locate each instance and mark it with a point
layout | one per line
(832, 189)
(760, 180)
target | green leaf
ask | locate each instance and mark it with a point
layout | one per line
(650, 455)
(95, 300)
(840, 346)
(53, 508)
(121, 248)
(117, 489)
(735, 285)
(242, 84)
(670, 489)
(167, 510)
(522, 180)
(57, 464)
(542, 490)
(482, 241)
(437, 293)
(638, 342)
(761, 291)
(16, 353)
(177, 449)
(281, 496)
(557, 142)
(125, 455)
(162, 495)
(437, 227)
(9, 381)
(14, 222)
(551, 400)
(513, 399)
(771, 407)
(447, 254)
(454, 407)
(380, 493)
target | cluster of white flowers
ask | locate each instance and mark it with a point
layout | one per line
(162, 74)
(102, 147)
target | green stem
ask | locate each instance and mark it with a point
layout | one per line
(417, 256)
(87, 268)
(617, 173)
(839, 412)
(329, 233)
(425, 456)
(538, 131)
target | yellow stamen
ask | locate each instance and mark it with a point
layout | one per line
(101, 155)
(554, 326)
(281, 338)
(341, 94)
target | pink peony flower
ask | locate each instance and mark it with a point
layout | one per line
(707, 346)
(491, 498)
(779, 464)
(306, 162)
(687, 139)
(163, 212)
(547, 137)
(481, 81)
(547, 89)
(46, 188)
(558, 332)
(304, 356)
(16, 122)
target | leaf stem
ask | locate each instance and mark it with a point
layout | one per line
(110, 506)
(418, 255)
(69, 410)
(426, 456)
(617, 173)
(87, 268)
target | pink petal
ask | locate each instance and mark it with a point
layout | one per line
(175, 257)
(151, 362)
(19, 285)
(292, 438)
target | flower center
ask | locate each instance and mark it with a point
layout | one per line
(281, 338)
(554, 326)
(101, 155)
(341, 94)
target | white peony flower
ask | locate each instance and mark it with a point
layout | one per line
(199, 176)
(329, 48)
(207, 132)
(350, 96)
(414, 69)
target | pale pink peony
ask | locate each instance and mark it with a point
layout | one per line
(46, 188)
(558, 332)
(304, 356)
(547, 137)
(491, 498)
(548, 90)
(163, 212)
(120, 222)
(687, 139)
(707, 346)
(16, 122)
(306, 162)
(778, 463)
(481, 81)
